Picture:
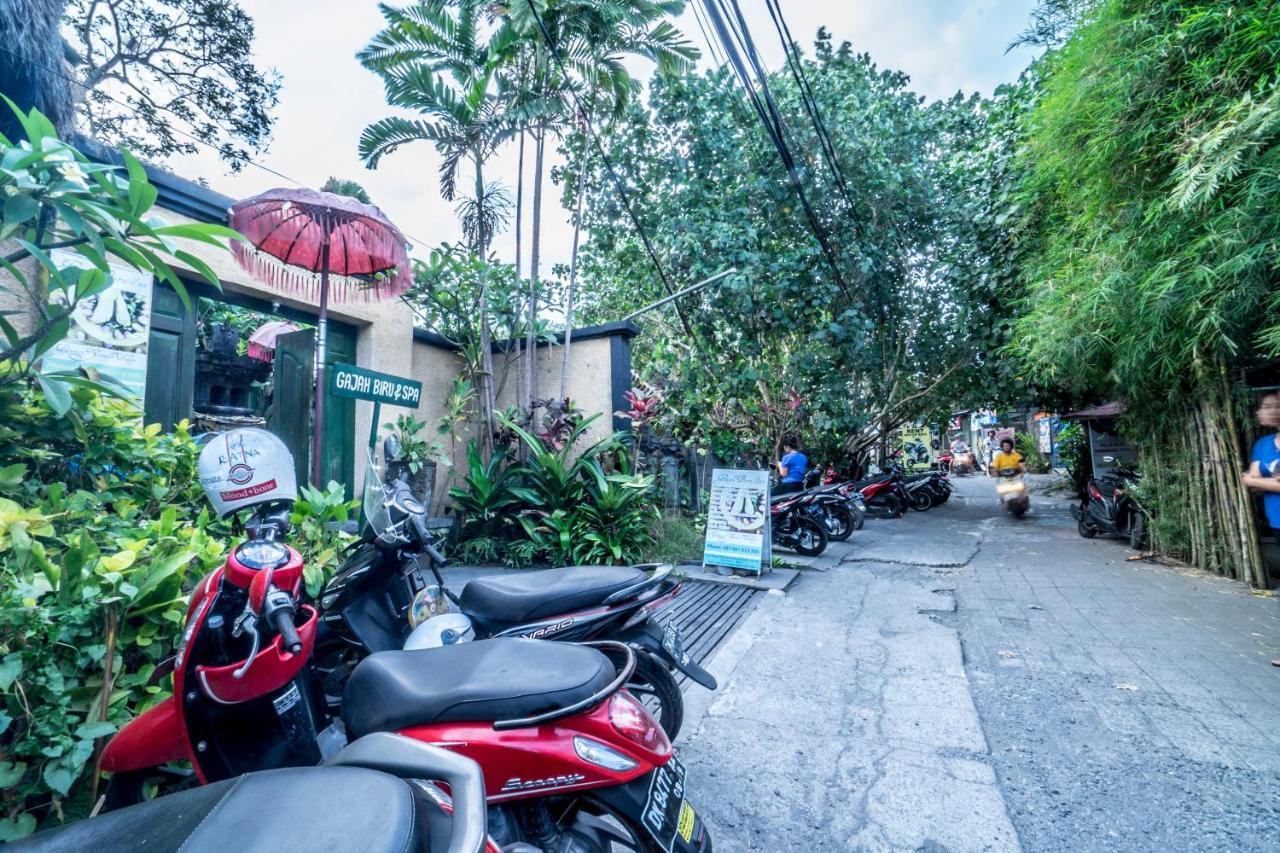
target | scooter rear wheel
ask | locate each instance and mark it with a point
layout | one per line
(1085, 529)
(654, 685)
(921, 500)
(810, 539)
(839, 522)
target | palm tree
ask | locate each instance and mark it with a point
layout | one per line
(33, 65)
(589, 41)
(349, 188)
(433, 59)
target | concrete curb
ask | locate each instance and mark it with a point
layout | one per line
(698, 700)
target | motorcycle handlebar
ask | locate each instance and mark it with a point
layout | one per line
(288, 633)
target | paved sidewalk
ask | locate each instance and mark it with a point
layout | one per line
(1128, 705)
(847, 723)
(963, 681)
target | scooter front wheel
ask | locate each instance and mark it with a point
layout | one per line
(654, 685)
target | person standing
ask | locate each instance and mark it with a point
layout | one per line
(1263, 474)
(791, 467)
(993, 446)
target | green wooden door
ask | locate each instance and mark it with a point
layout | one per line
(291, 406)
(171, 360)
(290, 415)
(340, 414)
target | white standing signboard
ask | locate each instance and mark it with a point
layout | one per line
(738, 520)
(109, 330)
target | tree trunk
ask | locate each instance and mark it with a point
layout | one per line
(573, 276)
(515, 345)
(486, 347)
(531, 356)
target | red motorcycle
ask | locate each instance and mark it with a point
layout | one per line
(571, 760)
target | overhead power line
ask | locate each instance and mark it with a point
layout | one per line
(733, 32)
(796, 63)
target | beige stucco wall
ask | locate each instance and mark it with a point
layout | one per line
(590, 388)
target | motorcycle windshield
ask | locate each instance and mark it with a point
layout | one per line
(374, 500)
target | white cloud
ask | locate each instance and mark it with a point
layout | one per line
(328, 98)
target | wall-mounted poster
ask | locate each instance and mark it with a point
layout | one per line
(109, 330)
(917, 450)
(738, 520)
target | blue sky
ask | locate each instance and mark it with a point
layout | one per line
(327, 98)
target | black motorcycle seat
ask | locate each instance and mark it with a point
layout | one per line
(322, 808)
(483, 681)
(524, 596)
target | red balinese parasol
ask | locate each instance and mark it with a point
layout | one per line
(262, 343)
(324, 245)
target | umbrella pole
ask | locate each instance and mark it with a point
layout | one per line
(322, 346)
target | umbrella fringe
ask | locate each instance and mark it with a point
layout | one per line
(302, 282)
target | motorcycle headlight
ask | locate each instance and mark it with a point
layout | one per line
(262, 554)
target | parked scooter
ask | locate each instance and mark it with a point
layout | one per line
(1012, 487)
(375, 796)
(791, 526)
(882, 494)
(1109, 507)
(571, 760)
(389, 594)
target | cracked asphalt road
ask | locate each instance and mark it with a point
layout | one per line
(965, 682)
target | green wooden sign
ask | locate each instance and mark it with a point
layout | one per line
(347, 380)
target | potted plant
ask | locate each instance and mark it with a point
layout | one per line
(416, 456)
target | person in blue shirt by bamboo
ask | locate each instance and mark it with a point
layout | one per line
(1264, 470)
(791, 467)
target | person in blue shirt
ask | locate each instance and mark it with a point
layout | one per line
(1264, 471)
(791, 467)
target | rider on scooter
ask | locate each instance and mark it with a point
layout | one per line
(1007, 458)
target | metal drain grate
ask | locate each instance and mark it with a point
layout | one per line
(707, 613)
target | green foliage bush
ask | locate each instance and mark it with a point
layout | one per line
(103, 532)
(562, 505)
(1025, 443)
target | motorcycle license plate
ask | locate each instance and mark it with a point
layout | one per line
(673, 643)
(668, 817)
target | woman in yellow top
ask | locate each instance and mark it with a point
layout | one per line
(1007, 458)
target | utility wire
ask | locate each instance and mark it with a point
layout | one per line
(767, 110)
(604, 158)
(796, 63)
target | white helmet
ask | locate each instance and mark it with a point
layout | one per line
(245, 467)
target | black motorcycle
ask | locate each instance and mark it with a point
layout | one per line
(372, 796)
(791, 526)
(389, 594)
(1109, 507)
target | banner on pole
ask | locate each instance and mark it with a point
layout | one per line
(738, 520)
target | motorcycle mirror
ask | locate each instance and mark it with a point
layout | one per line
(391, 448)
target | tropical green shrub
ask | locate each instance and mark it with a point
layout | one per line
(101, 535)
(317, 519)
(1073, 450)
(103, 532)
(490, 496)
(1025, 443)
(560, 506)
